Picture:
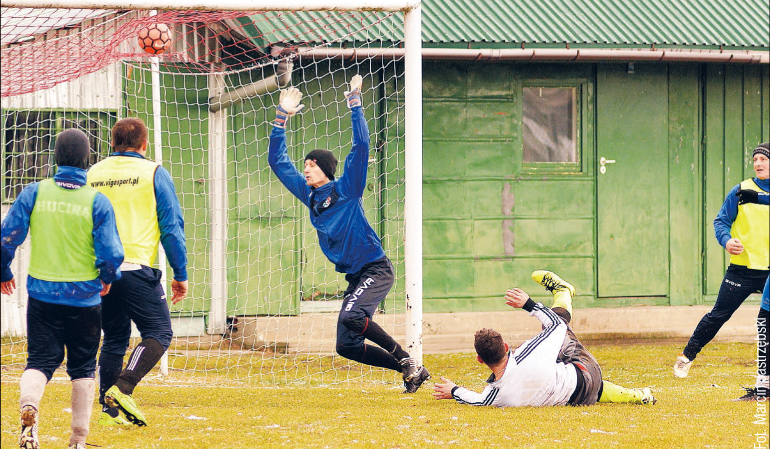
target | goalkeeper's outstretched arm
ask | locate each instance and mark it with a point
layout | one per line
(353, 180)
(282, 166)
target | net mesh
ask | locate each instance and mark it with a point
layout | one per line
(276, 321)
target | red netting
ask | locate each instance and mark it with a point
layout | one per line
(45, 47)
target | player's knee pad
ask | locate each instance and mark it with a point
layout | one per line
(351, 352)
(356, 322)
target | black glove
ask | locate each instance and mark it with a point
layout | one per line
(747, 196)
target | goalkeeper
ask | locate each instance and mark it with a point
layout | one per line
(346, 237)
(553, 368)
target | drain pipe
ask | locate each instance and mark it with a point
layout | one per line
(544, 54)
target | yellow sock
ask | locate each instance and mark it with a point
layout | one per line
(617, 394)
(563, 299)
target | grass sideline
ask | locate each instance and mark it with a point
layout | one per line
(697, 412)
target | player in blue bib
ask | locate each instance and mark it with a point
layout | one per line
(345, 235)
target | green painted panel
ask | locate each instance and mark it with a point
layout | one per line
(734, 128)
(444, 80)
(488, 199)
(448, 278)
(752, 112)
(684, 173)
(713, 188)
(447, 237)
(539, 197)
(558, 236)
(493, 81)
(493, 277)
(764, 75)
(464, 158)
(493, 119)
(490, 239)
(445, 120)
(437, 195)
(632, 205)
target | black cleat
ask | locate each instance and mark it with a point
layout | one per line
(413, 384)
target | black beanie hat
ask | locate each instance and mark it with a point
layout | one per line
(762, 148)
(325, 160)
(72, 149)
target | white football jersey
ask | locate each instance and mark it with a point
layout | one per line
(533, 376)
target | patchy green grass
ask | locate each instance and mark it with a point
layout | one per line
(369, 410)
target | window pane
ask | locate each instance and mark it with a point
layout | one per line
(549, 124)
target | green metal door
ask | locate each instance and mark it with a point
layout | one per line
(632, 184)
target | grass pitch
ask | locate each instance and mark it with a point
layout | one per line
(696, 412)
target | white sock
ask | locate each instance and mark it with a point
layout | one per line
(82, 404)
(32, 387)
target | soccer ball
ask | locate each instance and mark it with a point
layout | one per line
(154, 38)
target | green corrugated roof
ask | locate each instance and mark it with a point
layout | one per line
(602, 23)
(734, 23)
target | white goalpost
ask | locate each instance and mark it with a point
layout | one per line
(264, 300)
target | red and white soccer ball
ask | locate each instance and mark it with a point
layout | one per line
(154, 38)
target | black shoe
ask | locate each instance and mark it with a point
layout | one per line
(752, 394)
(413, 384)
(409, 368)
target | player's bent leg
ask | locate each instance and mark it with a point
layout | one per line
(552, 282)
(620, 395)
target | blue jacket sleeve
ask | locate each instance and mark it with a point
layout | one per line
(171, 223)
(353, 179)
(15, 228)
(726, 216)
(107, 246)
(283, 168)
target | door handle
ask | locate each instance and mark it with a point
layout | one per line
(603, 162)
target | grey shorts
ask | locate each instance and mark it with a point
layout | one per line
(588, 371)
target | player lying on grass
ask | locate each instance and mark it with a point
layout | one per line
(553, 368)
(345, 235)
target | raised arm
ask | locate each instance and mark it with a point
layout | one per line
(353, 180)
(541, 346)
(277, 158)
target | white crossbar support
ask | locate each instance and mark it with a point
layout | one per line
(413, 180)
(221, 5)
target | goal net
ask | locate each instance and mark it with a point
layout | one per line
(263, 299)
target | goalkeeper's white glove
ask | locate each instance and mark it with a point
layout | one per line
(354, 94)
(288, 105)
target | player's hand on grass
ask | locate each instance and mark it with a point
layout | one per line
(516, 297)
(443, 390)
(179, 291)
(8, 287)
(734, 246)
(105, 288)
(288, 105)
(353, 94)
